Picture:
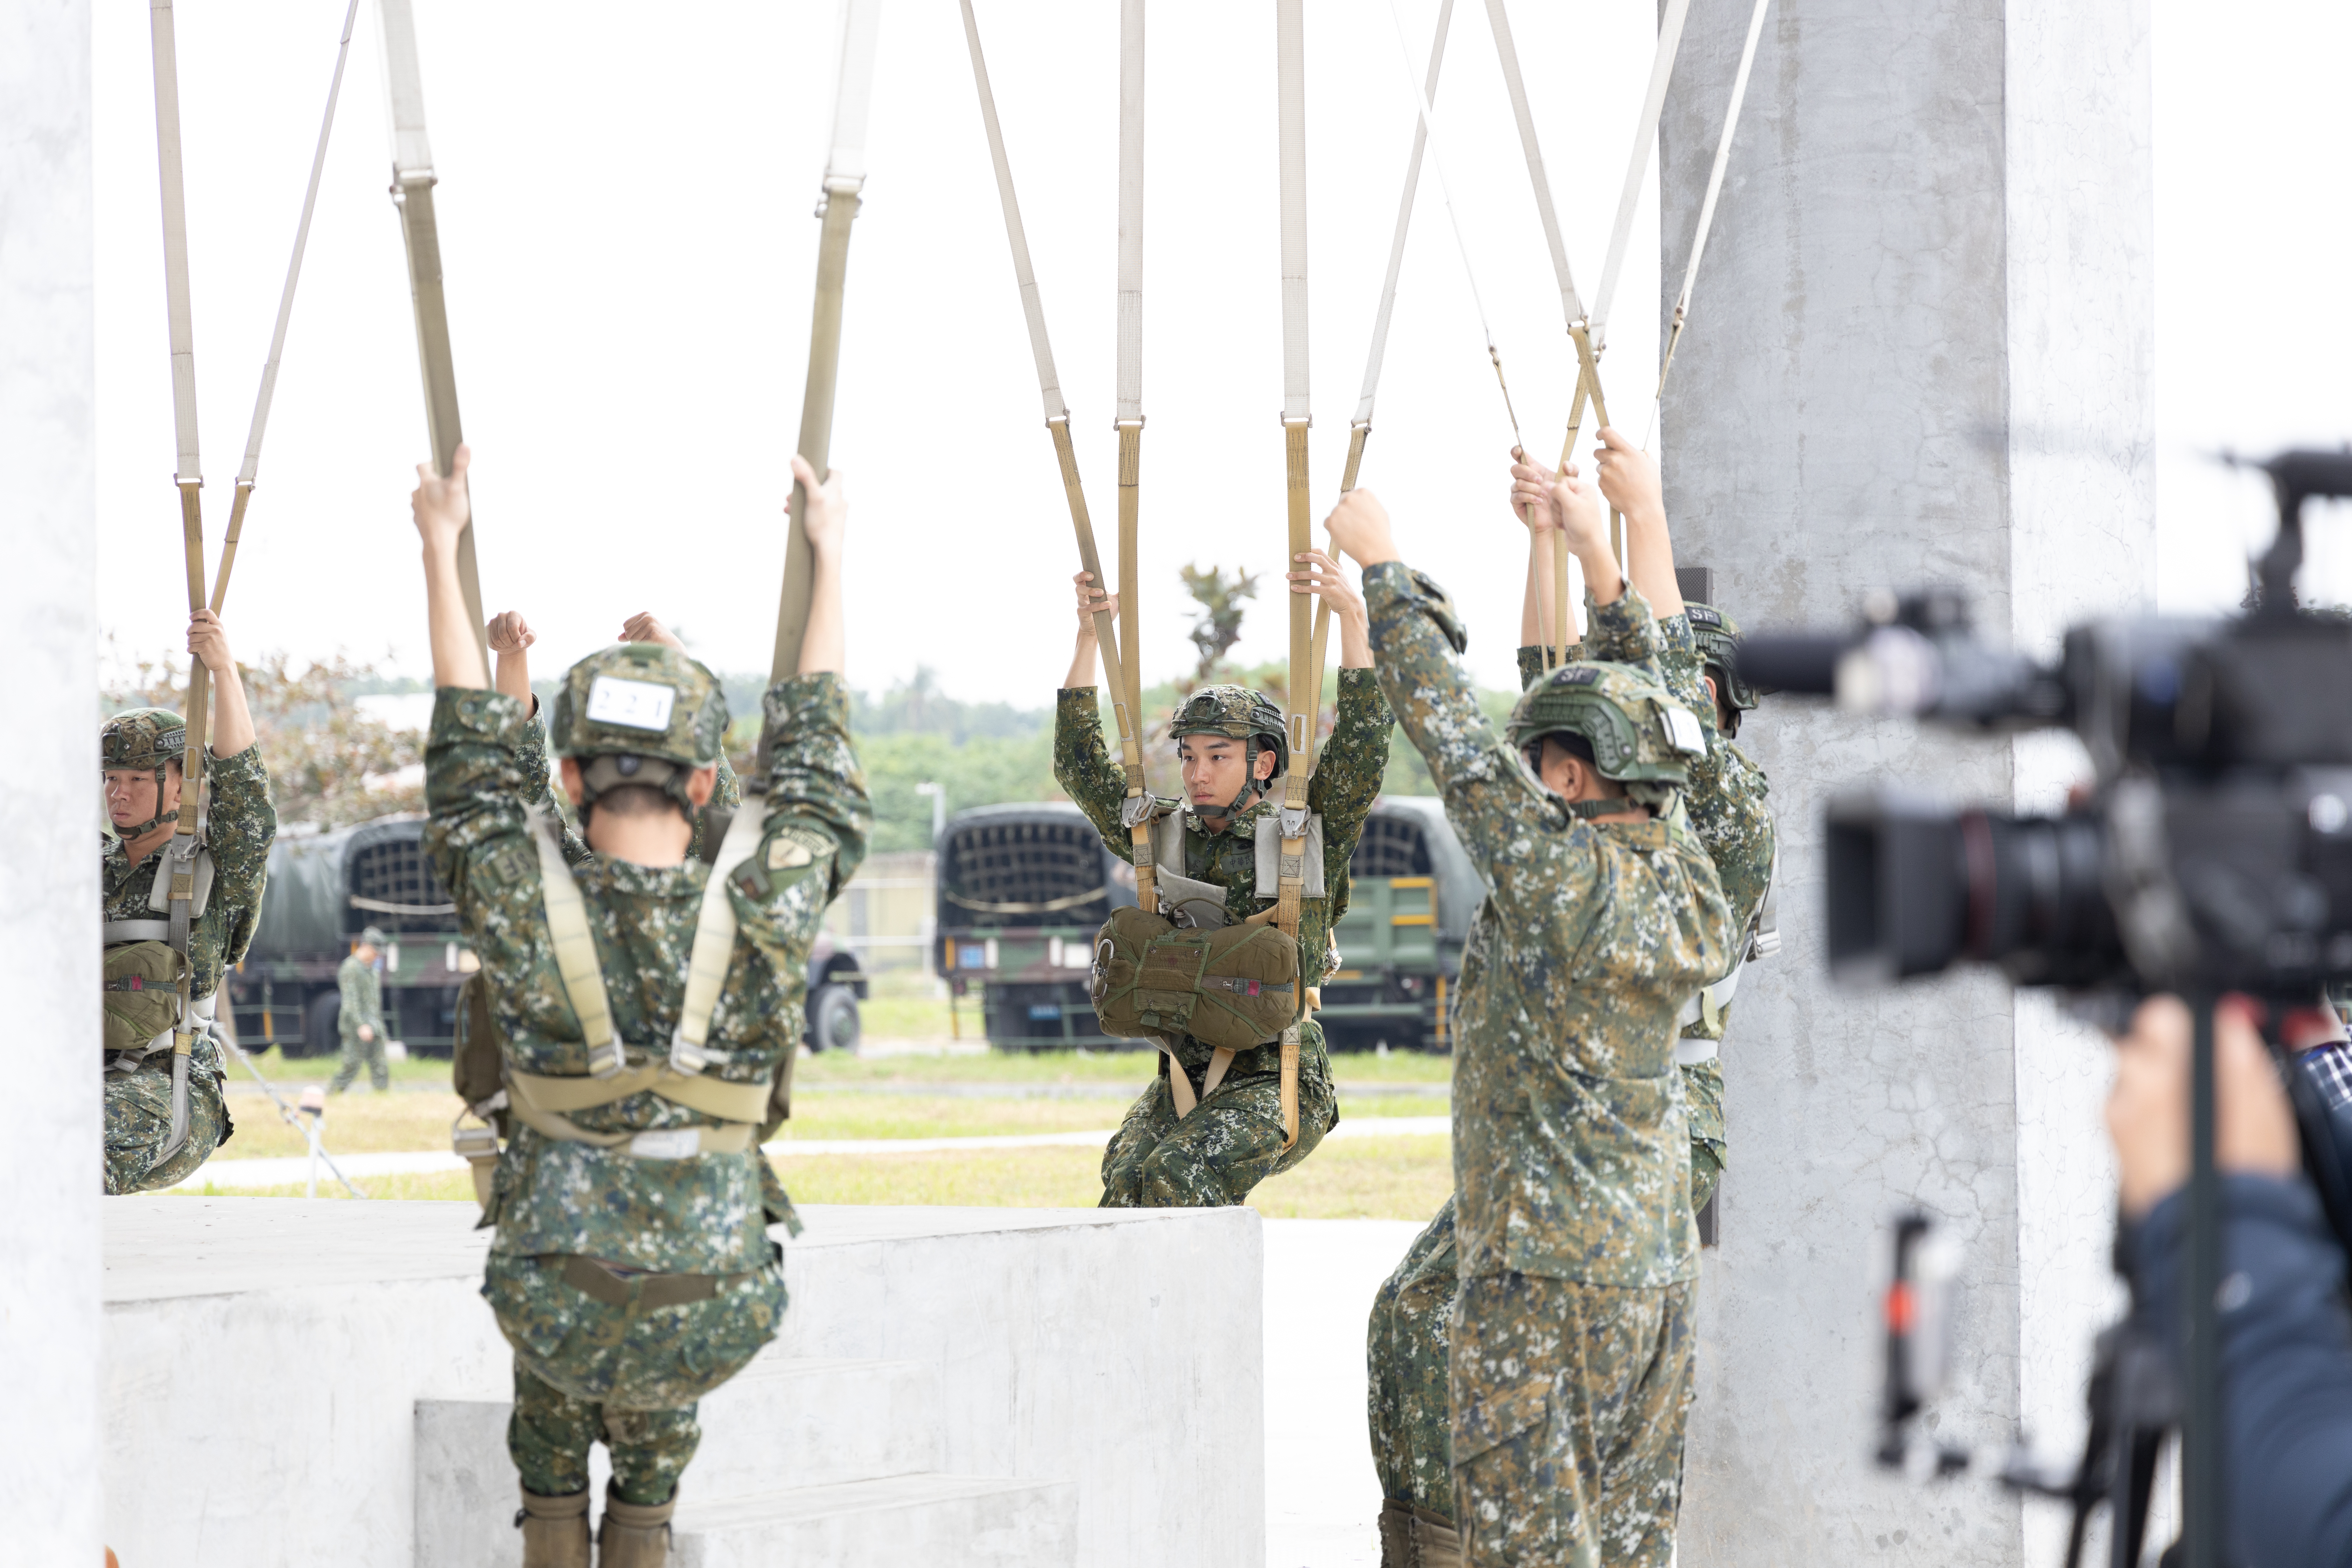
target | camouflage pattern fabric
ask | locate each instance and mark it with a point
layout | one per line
(241, 826)
(552, 1199)
(551, 1433)
(1710, 1146)
(631, 1378)
(139, 1119)
(362, 1002)
(1233, 1139)
(1570, 1154)
(1405, 1352)
(1570, 1400)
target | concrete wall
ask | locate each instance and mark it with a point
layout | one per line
(1918, 352)
(48, 795)
(264, 1358)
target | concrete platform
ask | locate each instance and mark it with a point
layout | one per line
(266, 1362)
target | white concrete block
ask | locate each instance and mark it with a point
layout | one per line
(940, 1521)
(1117, 1353)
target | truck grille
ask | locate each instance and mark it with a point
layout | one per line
(392, 884)
(1391, 848)
(1023, 873)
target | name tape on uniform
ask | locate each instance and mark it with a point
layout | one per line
(633, 704)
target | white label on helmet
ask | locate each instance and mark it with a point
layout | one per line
(1682, 732)
(634, 704)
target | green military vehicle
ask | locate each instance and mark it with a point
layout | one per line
(1022, 889)
(326, 887)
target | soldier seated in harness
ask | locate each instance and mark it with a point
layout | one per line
(1210, 1127)
(139, 753)
(1565, 1383)
(645, 1013)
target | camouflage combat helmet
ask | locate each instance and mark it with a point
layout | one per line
(1640, 737)
(1240, 714)
(1718, 636)
(147, 737)
(638, 713)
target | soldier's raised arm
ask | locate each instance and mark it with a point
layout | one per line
(1082, 763)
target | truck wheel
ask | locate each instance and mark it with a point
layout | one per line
(833, 1020)
(319, 1021)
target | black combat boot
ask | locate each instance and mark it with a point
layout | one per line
(633, 1535)
(554, 1530)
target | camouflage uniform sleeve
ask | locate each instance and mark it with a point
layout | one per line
(1083, 766)
(1348, 772)
(728, 793)
(1488, 796)
(474, 796)
(1531, 663)
(244, 824)
(814, 781)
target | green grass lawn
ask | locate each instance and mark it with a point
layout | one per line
(1387, 1178)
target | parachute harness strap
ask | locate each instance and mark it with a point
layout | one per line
(1135, 812)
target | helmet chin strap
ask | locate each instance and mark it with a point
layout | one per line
(128, 833)
(1250, 782)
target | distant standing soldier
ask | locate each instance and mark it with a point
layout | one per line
(362, 1018)
(1571, 1331)
(1216, 1141)
(632, 1272)
(140, 755)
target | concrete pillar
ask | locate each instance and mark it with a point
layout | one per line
(48, 792)
(1919, 352)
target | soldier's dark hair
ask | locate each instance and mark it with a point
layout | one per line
(636, 800)
(1576, 746)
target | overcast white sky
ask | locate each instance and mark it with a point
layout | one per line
(626, 207)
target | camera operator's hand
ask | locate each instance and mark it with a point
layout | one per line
(2147, 1111)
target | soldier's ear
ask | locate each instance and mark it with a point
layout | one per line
(701, 784)
(569, 769)
(1266, 763)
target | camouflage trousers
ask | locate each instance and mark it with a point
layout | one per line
(551, 1434)
(1703, 1090)
(1230, 1142)
(589, 1369)
(358, 1053)
(139, 1122)
(1405, 1354)
(1569, 1405)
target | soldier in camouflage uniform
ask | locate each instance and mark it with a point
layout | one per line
(140, 756)
(631, 1271)
(1572, 1328)
(1230, 742)
(359, 1020)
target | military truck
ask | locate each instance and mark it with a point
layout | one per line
(326, 887)
(1022, 892)
(1023, 888)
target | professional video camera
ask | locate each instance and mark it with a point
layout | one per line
(2212, 855)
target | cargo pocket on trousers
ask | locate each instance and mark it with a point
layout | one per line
(1486, 1423)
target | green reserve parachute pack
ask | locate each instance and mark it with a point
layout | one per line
(1233, 987)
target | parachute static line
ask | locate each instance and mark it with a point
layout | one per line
(245, 475)
(1361, 428)
(1137, 811)
(412, 179)
(1706, 212)
(1129, 418)
(845, 180)
(179, 861)
(1572, 304)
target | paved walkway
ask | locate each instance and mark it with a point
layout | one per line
(281, 1173)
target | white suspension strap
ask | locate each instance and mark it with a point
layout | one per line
(244, 475)
(1706, 212)
(1137, 811)
(179, 861)
(412, 179)
(1130, 420)
(1290, 78)
(845, 179)
(1571, 303)
(1361, 428)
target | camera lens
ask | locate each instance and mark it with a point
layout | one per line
(1916, 887)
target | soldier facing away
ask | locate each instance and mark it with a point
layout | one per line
(1577, 1252)
(360, 1017)
(1212, 1144)
(632, 1270)
(139, 753)
(1407, 1338)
